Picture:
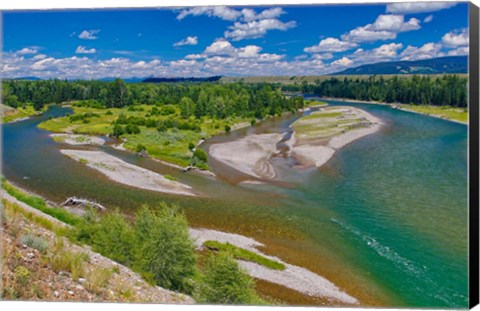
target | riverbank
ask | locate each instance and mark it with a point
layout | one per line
(128, 174)
(50, 266)
(10, 114)
(452, 114)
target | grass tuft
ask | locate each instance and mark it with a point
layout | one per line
(243, 254)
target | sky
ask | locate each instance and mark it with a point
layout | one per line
(230, 41)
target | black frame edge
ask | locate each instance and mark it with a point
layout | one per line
(474, 156)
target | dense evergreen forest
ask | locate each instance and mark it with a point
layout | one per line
(237, 99)
(194, 99)
(446, 90)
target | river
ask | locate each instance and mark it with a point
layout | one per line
(385, 219)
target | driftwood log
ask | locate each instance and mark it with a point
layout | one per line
(83, 203)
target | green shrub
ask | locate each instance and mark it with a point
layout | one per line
(118, 130)
(140, 148)
(228, 128)
(201, 155)
(224, 282)
(132, 129)
(113, 237)
(22, 275)
(35, 242)
(165, 253)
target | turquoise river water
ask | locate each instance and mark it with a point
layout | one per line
(385, 219)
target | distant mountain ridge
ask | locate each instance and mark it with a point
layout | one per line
(182, 79)
(441, 65)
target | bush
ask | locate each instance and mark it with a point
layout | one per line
(22, 275)
(132, 129)
(140, 148)
(35, 242)
(201, 155)
(224, 282)
(228, 128)
(112, 237)
(158, 246)
(165, 253)
(68, 261)
(118, 130)
(191, 146)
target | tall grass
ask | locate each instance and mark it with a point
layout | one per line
(40, 204)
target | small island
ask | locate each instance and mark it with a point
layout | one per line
(312, 142)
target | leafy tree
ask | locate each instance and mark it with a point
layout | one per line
(224, 282)
(165, 253)
(187, 107)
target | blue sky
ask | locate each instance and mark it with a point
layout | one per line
(203, 41)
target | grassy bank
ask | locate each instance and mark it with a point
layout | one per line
(444, 112)
(162, 132)
(12, 114)
(40, 204)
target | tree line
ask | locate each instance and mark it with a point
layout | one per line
(446, 90)
(194, 99)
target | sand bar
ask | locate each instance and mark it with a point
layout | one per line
(128, 174)
(78, 139)
(319, 135)
(249, 155)
(293, 277)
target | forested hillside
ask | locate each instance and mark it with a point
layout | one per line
(447, 90)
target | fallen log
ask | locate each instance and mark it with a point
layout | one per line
(83, 203)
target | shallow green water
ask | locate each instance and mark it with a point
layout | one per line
(391, 207)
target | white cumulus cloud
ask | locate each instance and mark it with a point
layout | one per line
(256, 29)
(89, 34)
(343, 62)
(330, 45)
(190, 40)
(456, 38)
(26, 51)
(418, 7)
(385, 27)
(83, 50)
(426, 51)
(221, 12)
